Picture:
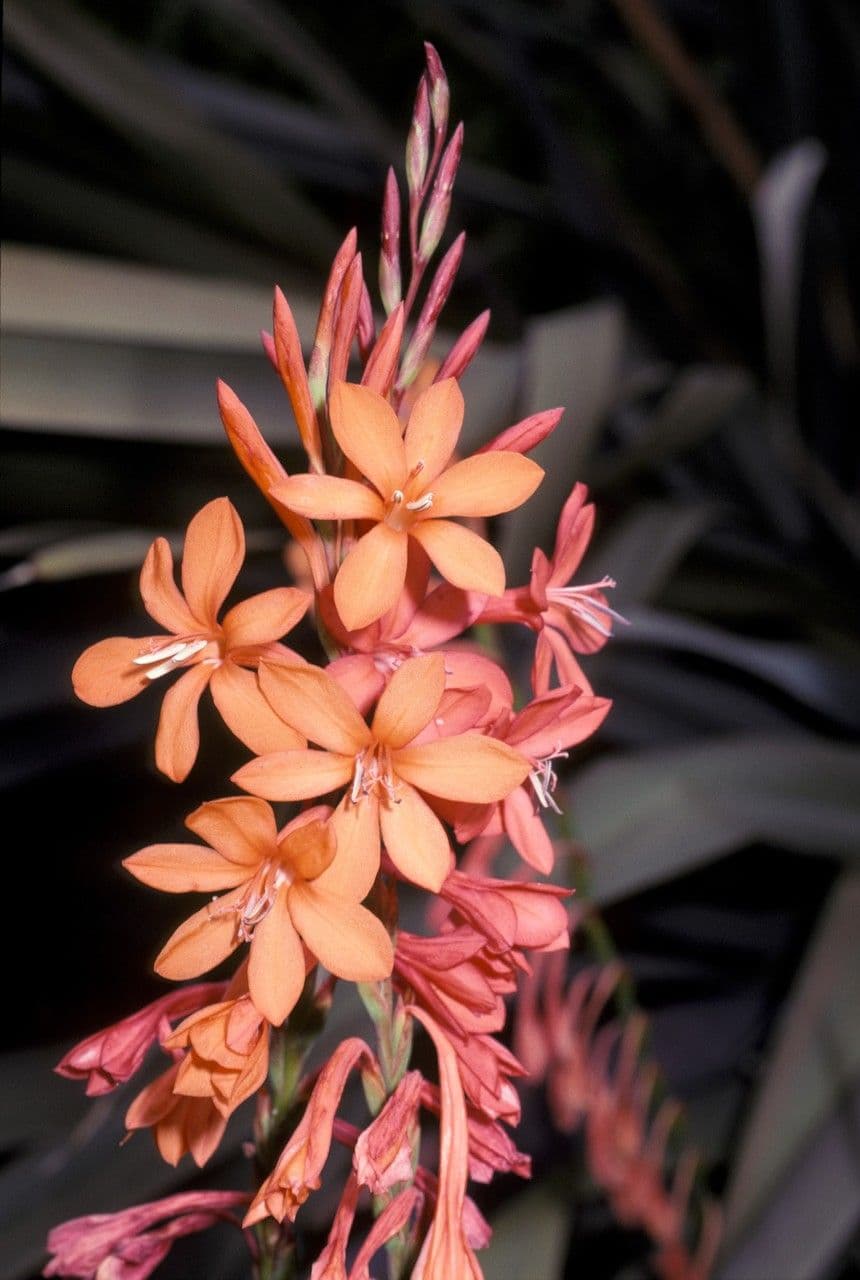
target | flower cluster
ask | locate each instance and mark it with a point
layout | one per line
(368, 776)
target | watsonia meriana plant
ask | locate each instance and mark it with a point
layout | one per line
(365, 776)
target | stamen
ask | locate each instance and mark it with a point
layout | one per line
(158, 655)
(544, 780)
(397, 496)
(421, 504)
(357, 781)
(178, 653)
(593, 611)
(417, 469)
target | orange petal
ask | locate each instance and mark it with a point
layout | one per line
(434, 428)
(105, 675)
(241, 828)
(356, 860)
(265, 617)
(312, 702)
(371, 577)
(366, 428)
(485, 485)
(346, 938)
(329, 498)
(276, 967)
(411, 700)
(245, 711)
(309, 847)
(160, 594)
(461, 556)
(295, 775)
(416, 839)
(178, 737)
(184, 868)
(201, 941)
(468, 767)
(212, 557)
(291, 367)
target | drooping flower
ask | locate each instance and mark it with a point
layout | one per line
(227, 1056)
(509, 913)
(412, 493)
(110, 1057)
(129, 1245)
(446, 1251)
(179, 1124)
(302, 884)
(386, 772)
(384, 1150)
(206, 651)
(297, 1170)
(568, 620)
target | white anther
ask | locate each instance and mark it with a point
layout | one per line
(159, 655)
(421, 504)
(357, 780)
(179, 652)
(397, 495)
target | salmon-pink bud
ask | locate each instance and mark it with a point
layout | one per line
(129, 1245)
(439, 202)
(390, 284)
(110, 1057)
(393, 1218)
(290, 363)
(438, 86)
(383, 1152)
(318, 363)
(269, 347)
(509, 912)
(524, 436)
(425, 326)
(382, 363)
(418, 140)
(331, 1263)
(346, 321)
(297, 1171)
(464, 349)
(366, 331)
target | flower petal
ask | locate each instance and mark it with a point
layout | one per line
(410, 701)
(105, 675)
(276, 967)
(468, 767)
(241, 828)
(347, 938)
(527, 833)
(485, 485)
(366, 428)
(329, 498)
(265, 617)
(359, 675)
(309, 700)
(184, 868)
(575, 527)
(201, 941)
(416, 839)
(212, 557)
(247, 714)
(178, 737)
(371, 577)
(461, 556)
(356, 859)
(434, 428)
(295, 775)
(163, 600)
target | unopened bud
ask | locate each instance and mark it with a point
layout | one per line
(439, 94)
(418, 141)
(390, 284)
(439, 203)
(464, 349)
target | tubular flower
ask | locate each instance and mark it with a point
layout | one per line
(568, 619)
(129, 1245)
(386, 773)
(384, 1150)
(208, 652)
(110, 1057)
(297, 1170)
(446, 1251)
(412, 494)
(299, 884)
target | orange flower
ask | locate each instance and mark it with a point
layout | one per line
(413, 493)
(208, 652)
(302, 884)
(228, 1053)
(386, 774)
(178, 1124)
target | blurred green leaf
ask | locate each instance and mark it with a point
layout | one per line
(643, 551)
(648, 817)
(530, 1237)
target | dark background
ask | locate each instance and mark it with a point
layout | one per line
(662, 200)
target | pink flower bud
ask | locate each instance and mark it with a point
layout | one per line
(418, 141)
(382, 363)
(366, 326)
(524, 436)
(439, 93)
(439, 203)
(290, 363)
(346, 321)
(425, 326)
(464, 349)
(318, 363)
(383, 1153)
(390, 284)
